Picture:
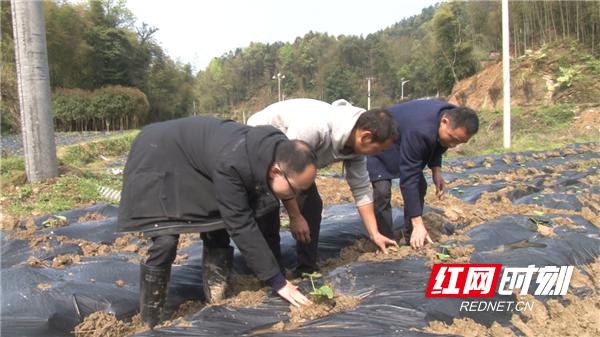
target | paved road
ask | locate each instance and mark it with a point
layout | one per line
(13, 144)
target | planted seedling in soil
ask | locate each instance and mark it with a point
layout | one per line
(444, 253)
(537, 219)
(322, 294)
(55, 221)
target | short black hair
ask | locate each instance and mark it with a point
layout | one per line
(294, 156)
(380, 122)
(463, 117)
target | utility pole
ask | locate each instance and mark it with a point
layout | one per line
(369, 92)
(31, 57)
(403, 82)
(279, 77)
(506, 74)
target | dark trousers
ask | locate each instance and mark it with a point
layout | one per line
(163, 251)
(382, 197)
(311, 208)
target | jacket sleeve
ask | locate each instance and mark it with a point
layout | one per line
(357, 177)
(235, 210)
(413, 150)
(436, 158)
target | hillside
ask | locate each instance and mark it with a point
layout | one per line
(554, 99)
(560, 73)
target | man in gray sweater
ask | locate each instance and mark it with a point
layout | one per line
(336, 132)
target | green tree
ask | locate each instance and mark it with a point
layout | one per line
(9, 101)
(454, 59)
(68, 50)
(338, 85)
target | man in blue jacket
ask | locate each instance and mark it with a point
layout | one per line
(427, 129)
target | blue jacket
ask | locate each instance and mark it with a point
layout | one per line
(418, 145)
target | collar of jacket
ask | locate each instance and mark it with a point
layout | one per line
(344, 117)
(260, 146)
(439, 120)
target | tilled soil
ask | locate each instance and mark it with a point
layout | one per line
(577, 318)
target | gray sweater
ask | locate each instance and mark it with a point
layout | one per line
(326, 127)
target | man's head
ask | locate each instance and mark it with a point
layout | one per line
(457, 126)
(374, 131)
(294, 169)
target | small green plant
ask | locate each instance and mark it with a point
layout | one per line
(324, 290)
(24, 192)
(55, 221)
(536, 219)
(458, 190)
(594, 65)
(566, 75)
(444, 254)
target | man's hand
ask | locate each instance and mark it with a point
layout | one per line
(291, 294)
(383, 241)
(299, 229)
(438, 180)
(419, 236)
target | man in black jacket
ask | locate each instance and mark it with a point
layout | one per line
(427, 129)
(202, 174)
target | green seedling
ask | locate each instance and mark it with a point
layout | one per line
(323, 290)
(442, 256)
(458, 190)
(536, 219)
(55, 221)
(445, 248)
(444, 253)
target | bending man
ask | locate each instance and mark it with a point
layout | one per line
(427, 129)
(337, 132)
(202, 174)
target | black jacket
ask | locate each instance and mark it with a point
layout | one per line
(418, 145)
(198, 174)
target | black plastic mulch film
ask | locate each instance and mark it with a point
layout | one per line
(394, 304)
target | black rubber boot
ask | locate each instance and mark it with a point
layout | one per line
(216, 268)
(154, 283)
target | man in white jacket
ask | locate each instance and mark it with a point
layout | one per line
(336, 132)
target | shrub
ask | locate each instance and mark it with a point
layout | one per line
(101, 109)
